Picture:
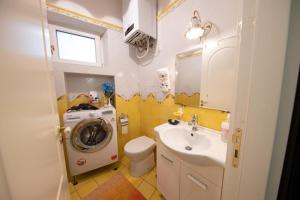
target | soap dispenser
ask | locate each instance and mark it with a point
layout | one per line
(179, 113)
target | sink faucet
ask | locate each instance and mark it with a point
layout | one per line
(194, 122)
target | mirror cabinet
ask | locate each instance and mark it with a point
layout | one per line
(205, 77)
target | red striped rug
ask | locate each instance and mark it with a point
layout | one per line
(117, 188)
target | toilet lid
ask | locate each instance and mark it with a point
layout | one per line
(139, 144)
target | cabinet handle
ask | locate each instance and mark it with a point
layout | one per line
(197, 182)
(166, 158)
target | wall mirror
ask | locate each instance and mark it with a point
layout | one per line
(188, 67)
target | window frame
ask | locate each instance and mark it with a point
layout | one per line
(54, 43)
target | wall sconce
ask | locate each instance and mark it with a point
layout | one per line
(197, 29)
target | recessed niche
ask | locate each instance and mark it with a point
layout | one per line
(82, 84)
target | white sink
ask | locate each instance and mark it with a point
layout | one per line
(202, 147)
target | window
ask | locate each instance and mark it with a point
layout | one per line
(75, 47)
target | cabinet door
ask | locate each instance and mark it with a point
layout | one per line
(195, 187)
(219, 74)
(168, 174)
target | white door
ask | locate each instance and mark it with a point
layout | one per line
(218, 74)
(32, 162)
(261, 62)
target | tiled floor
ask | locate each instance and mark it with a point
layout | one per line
(91, 180)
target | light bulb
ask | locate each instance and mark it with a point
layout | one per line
(194, 33)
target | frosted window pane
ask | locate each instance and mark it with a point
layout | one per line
(76, 47)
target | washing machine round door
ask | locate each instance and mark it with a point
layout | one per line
(91, 135)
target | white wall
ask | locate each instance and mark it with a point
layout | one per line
(171, 40)
(120, 60)
(109, 11)
(117, 62)
(286, 102)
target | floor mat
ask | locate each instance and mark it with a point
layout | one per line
(117, 188)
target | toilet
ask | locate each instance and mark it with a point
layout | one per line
(140, 152)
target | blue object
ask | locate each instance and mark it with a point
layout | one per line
(108, 88)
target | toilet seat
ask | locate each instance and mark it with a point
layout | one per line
(139, 145)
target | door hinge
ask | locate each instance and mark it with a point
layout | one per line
(236, 140)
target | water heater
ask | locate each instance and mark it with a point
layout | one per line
(139, 21)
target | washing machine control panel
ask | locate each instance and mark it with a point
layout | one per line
(72, 117)
(93, 115)
(107, 112)
(79, 115)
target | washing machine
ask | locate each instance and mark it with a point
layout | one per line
(91, 139)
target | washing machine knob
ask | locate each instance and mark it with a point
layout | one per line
(67, 130)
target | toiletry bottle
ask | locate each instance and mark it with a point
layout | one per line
(225, 128)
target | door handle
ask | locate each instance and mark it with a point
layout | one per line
(166, 158)
(197, 182)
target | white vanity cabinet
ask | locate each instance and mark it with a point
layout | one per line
(179, 180)
(218, 74)
(168, 170)
(193, 186)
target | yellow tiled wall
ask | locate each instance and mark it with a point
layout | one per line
(131, 108)
(185, 99)
(154, 113)
(145, 114)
